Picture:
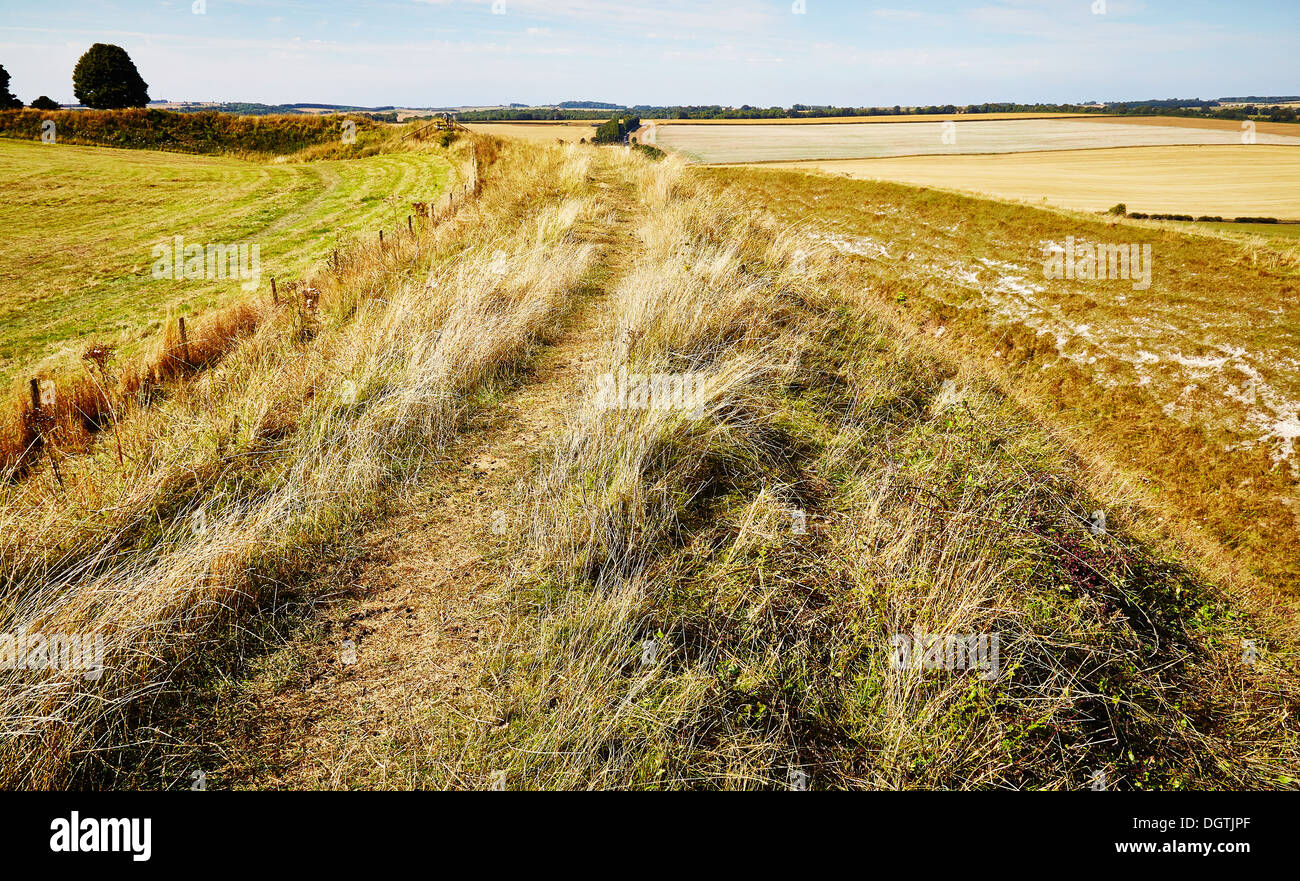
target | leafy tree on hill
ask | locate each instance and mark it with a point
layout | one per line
(44, 103)
(106, 79)
(613, 131)
(7, 100)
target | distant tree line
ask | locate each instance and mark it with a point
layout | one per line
(1202, 109)
(1188, 107)
(387, 113)
(585, 105)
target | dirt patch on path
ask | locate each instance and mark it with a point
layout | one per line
(400, 649)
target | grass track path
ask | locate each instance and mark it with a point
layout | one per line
(429, 586)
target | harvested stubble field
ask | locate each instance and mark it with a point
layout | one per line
(431, 555)
(732, 144)
(1265, 180)
(80, 224)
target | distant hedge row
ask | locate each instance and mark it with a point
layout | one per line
(181, 132)
(1204, 218)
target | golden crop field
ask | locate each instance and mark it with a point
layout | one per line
(1264, 180)
(733, 144)
(1289, 129)
(569, 131)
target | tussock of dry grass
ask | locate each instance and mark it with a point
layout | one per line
(287, 439)
(932, 507)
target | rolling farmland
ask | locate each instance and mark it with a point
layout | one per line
(734, 144)
(654, 395)
(438, 413)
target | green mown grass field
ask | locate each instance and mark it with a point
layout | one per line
(80, 225)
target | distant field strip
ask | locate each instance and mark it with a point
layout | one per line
(536, 131)
(1224, 181)
(78, 226)
(774, 143)
(874, 120)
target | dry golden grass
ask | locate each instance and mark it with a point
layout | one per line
(233, 478)
(1188, 387)
(1265, 180)
(660, 620)
(932, 506)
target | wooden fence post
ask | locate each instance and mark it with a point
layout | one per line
(381, 238)
(275, 296)
(410, 228)
(39, 418)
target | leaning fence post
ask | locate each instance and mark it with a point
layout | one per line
(275, 296)
(185, 341)
(39, 418)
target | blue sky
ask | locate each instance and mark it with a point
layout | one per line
(762, 52)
